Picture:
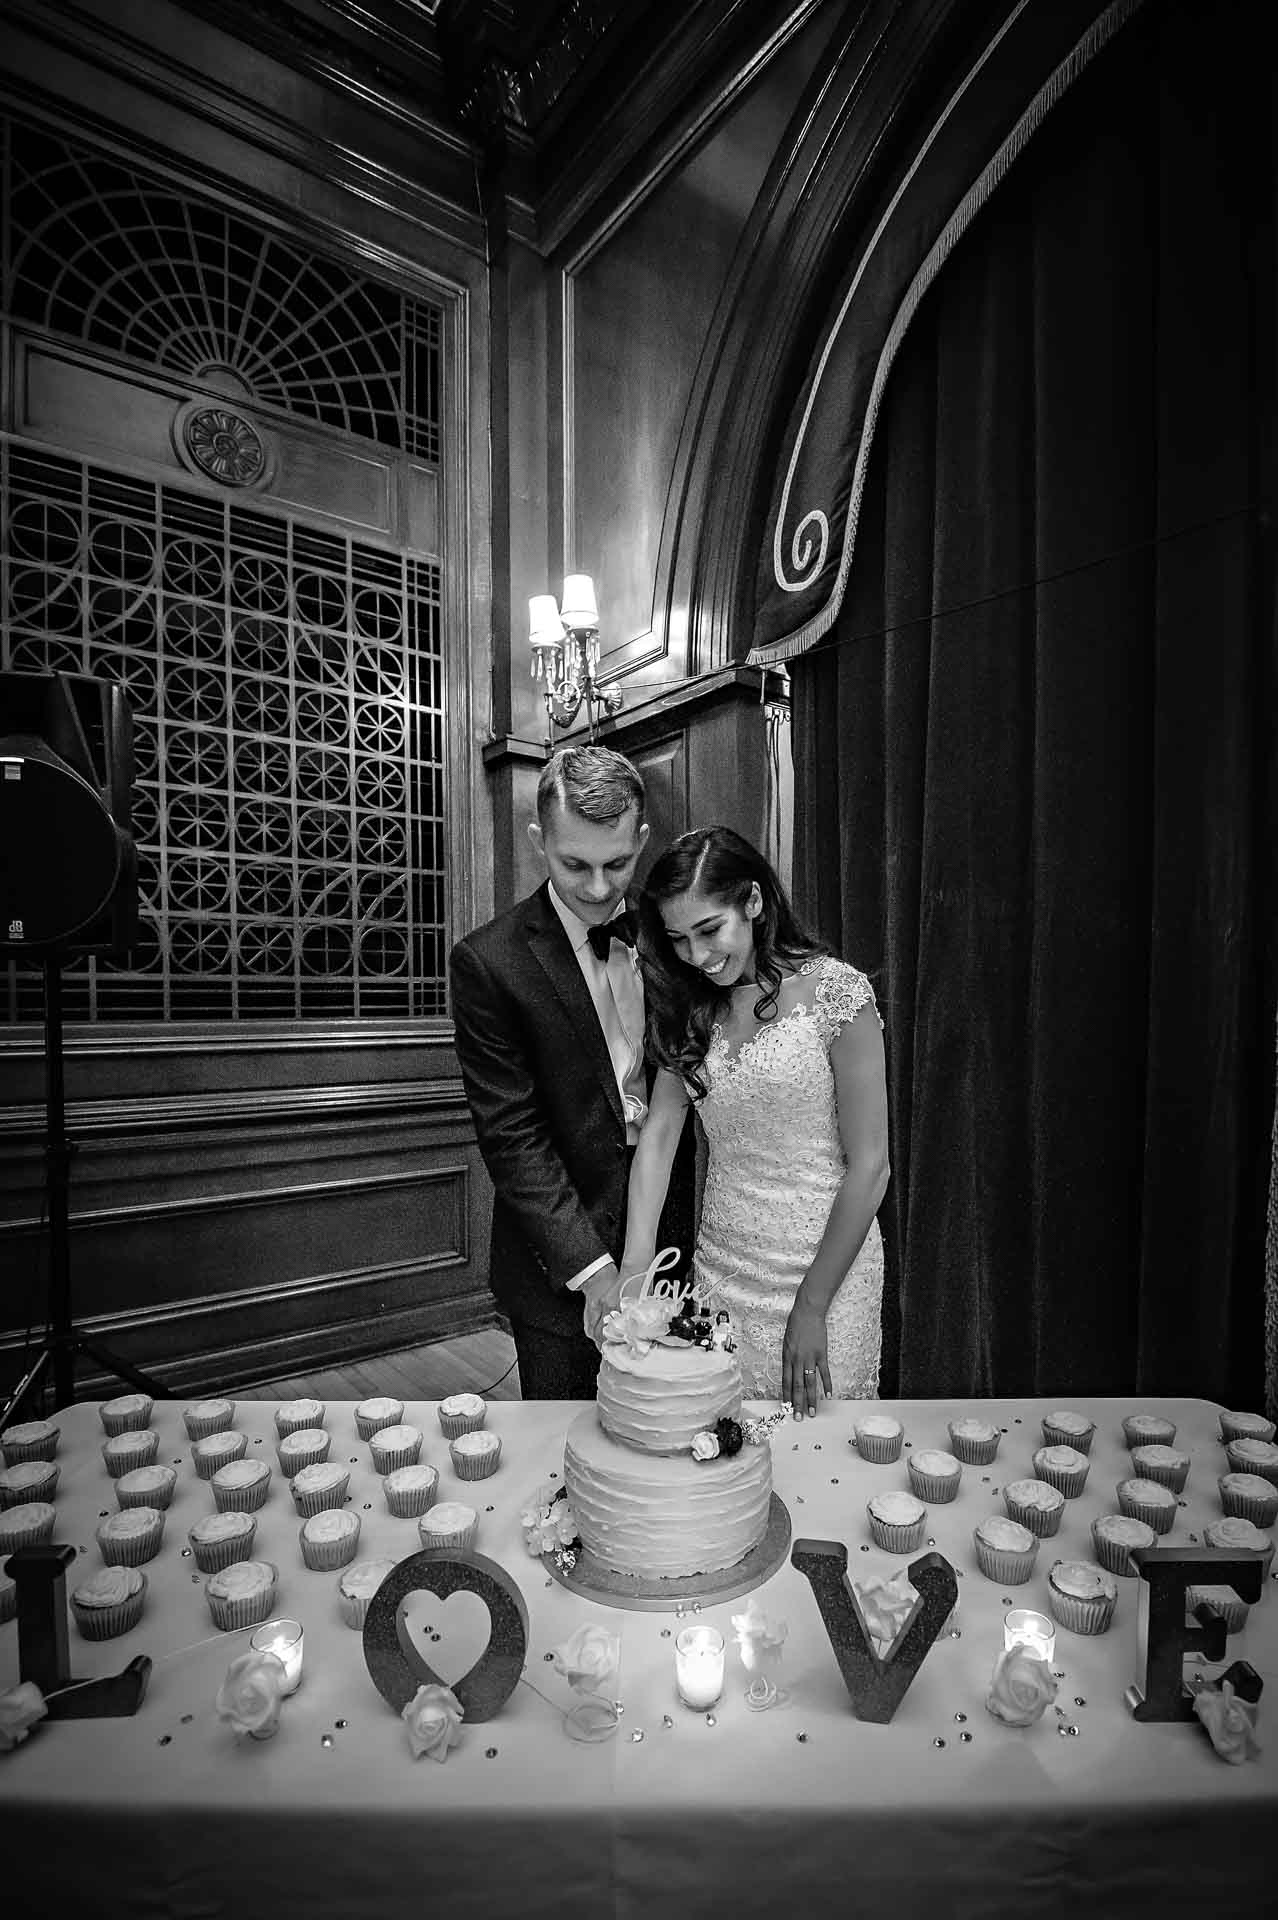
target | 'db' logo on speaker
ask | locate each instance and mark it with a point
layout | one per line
(15, 930)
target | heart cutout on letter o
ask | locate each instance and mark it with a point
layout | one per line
(393, 1650)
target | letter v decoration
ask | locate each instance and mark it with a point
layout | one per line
(876, 1684)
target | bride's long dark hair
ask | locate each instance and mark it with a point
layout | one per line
(683, 1004)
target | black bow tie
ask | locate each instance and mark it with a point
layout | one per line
(622, 928)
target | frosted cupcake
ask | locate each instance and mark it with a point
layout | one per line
(461, 1413)
(974, 1442)
(1082, 1596)
(329, 1540)
(1231, 1534)
(897, 1521)
(1245, 1426)
(1247, 1496)
(934, 1475)
(28, 1480)
(1167, 1464)
(147, 1487)
(1036, 1504)
(242, 1595)
(125, 1451)
(1254, 1456)
(475, 1455)
(1148, 1430)
(320, 1488)
(372, 1415)
(130, 1538)
(1063, 1428)
(410, 1491)
(219, 1539)
(127, 1413)
(1148, 1500)
(109, 1602)
(215, 1450)
(450, 1524)
(203, 1417)
(307, 1447)
(393, 1447)
(30, 1524)
(1063, 1467)
(357, 1588)
(294, 1416)
(29, 1440)
(879, 1438)
(241, 1486)
(1005, 1550)
(1222, 1600)
(1115, 1536)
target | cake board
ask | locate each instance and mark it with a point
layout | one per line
(637, 1595)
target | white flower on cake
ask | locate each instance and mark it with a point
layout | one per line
(1231, 1722)
(550, 1526)
(249, 1697)
(433, 1717)
(20, 1708)
(638, 1326)
(705, 1446)
(589, 1657)
(886, 1604)
(1021, 1687)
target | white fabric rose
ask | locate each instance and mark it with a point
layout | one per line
(705, 1446)
(565, 1524)
(1231, 1722)
(637, 1326)
(20, 1708)
(1021, 1687)
(249, 1697)
(433, 1717)
(885, 1604)
(588, 1657)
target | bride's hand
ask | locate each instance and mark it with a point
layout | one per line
(803, 1359)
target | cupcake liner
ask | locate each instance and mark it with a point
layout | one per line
(8, 1600)
(366, 1426)
(320, 1499)
(26, 1442)
(159, 1497)
(1076, 1615)
(42, 1487)
(32, 1530)
(1004, 1564)
(328, 1556)
(1166, 1476)
(451, 1424)
(410, 1503)
(894, 1537)
(458, 1539)
(117, 1419)
(1161, 1518)
(126, 1451)
(1062, 1437)
(1113, 1555)
(469, 1466)
(241, 1499)
(1067, 1480)
(1241, 1463)
(1043, 1521)
(390, 1459)
(880, 1449)
(1161, 1436)
(1260, 1509)
(973, 1453)
(936, 1488)
(251, 1610)
(1231, 1428)
(354, 1606)
(286, 1424)
(211, 1556)
(1232, 1610)
(133, 1549)
(313, 1452)
(206, 1463)
(105, 1623)
(200, 1426)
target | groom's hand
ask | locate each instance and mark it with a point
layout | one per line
(601, 1293)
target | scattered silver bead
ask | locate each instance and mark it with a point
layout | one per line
(326, 1739)
(960, 1717)
(666, 1721)
(801, 1738)
(711, 1721)
(490, 1753)
(938, 1741)
(636, 1734)
(956, 1633)
(966, 1738)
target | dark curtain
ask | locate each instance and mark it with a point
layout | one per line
(1035, 759)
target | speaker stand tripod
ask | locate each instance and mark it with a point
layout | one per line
(61, 1342)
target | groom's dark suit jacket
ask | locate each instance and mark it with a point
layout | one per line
(547, 1113)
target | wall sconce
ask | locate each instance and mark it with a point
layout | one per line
(564, 640)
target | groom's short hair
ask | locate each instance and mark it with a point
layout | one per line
(592, 782)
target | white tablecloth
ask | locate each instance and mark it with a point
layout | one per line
(169, 1814)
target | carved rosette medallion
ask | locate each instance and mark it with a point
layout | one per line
(222, 445)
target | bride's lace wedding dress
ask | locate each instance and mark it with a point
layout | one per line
(775, 1165)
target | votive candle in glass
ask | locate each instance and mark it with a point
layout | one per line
(1022, 1627)
(699, 1666)
(283, 1638)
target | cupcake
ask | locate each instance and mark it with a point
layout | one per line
(393, 1447)
(1245, 1426)
(241, 1486)
(450, 1524)
(1230, 1534)
(125, 1451)
(1222, 1600)
(357, 1588)
(128, 1413)
(1036, 1504)
(203, 1417)
(934, 1476)
(147, 1487)
(897, 1521)
(1247, 1496)
(1148, 1429)
(221, 1538)
(461, 1413)
(130, 1538)
(294, 1416)
(1082, 1596)
(320, 1488)
(1065, 1429)
(109, 1602)
(1148, 1500)
(307, 1447)
(215, 1450)
(475, 1455)
(1167, 1464)
(1254, 1456)
(241, 1595)
(28, 1525)
(329, 1539)
(974, 1442)
(1063, 1467)
(878, 1438)
(410, 1491)
(8, 1600)
(1005, 1550)
(28, 1480)
(372, 1415)
(29, 1440)
(1115, 1536)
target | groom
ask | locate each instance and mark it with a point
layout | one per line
(548, 1007)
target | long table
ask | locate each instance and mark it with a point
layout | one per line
(168, 1813)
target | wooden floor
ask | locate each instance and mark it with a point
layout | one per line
(474, 1363)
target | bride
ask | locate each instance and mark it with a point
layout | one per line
(779, 1047)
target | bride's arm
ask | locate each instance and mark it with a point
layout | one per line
(860, 1087)
(650, 1169)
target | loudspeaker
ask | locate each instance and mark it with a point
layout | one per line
(68, 865)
